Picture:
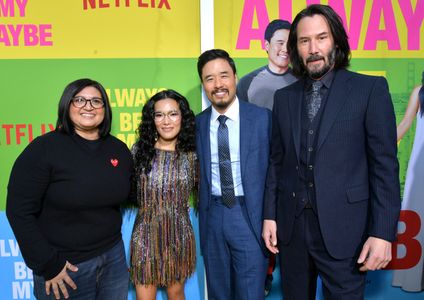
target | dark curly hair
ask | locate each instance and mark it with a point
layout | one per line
(147, 134)
(341, 43)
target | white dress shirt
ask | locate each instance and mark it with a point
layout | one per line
(233, 124)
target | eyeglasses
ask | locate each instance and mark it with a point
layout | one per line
(172, 115)
(80, 102)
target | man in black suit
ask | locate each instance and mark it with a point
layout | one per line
(332, 195)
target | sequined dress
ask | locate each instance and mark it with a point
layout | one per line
(163, 249)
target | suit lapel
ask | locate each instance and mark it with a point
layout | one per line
(339, 92)
(295, 107)
(246, 126)
(205, 141)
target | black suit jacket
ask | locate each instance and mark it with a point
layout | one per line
(356, 170)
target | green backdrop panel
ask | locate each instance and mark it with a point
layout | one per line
(31, 90)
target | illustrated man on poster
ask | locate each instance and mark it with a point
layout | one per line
(258, 87)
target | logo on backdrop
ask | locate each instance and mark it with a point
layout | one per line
(407, 241)
(364, 23)
(133, 98)
(93, 4)
(21, 34)
(17, 134)
(125, 102)
(19, 284)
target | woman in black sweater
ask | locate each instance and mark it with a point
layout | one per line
(64, 198)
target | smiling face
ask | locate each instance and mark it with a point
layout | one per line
(278, 59)
(315, 45)
(167, 117)
(87, 119)
(219, 83)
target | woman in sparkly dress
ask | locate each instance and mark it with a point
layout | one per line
(163, 251)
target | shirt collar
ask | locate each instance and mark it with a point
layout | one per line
(326, 80)
(232, 112)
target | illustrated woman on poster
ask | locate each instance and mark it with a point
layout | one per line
(412, 280)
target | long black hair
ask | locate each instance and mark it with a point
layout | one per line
(147, 133)
(341, 43)
(64, 123)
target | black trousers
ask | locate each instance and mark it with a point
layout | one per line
(305, 257)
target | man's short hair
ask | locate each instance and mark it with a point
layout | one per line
(213, 54)
(274, 26)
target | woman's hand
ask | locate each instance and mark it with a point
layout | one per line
(58, 283)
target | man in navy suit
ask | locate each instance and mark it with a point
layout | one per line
(332, 195)
(231, 186)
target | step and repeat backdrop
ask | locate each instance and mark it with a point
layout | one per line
(135, 48)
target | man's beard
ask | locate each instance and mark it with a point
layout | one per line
(328, 64)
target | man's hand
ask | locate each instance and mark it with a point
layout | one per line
(269, 234)
(375, 255)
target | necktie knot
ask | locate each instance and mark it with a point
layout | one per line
(222, 119)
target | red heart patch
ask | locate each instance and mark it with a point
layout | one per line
(114, 162)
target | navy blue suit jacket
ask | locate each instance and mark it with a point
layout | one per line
(356, 169)
(255, 130)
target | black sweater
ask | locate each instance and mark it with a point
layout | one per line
(64, 197)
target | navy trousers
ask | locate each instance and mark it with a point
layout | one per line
(234, 261)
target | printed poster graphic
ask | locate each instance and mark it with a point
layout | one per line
(376, 29)
(138, 47)
(99, 29)
(134, 48)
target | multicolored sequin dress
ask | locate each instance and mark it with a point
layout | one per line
(163, 250)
